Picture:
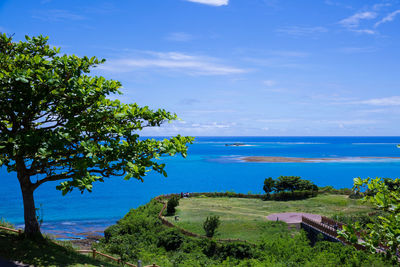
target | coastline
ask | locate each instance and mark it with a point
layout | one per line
(274, 159)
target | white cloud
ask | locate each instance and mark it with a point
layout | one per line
(172, 61)
(288, 53)
(302, 31)
(351, 122)
(179, 37)
(353, 50)
(354, 20)
(388, 18)
(386, 101)
(366, 31)
(269, 83)
(276, 120)
(211, 2)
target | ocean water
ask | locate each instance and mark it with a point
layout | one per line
(210, 166)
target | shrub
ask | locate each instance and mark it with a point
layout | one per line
(173, 202)
(170, 239)
(210, 225)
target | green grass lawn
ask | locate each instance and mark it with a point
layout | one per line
(246, 218)
(45, 253)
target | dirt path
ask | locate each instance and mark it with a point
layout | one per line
(293, 217)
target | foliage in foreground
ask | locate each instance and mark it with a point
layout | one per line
(57, 123)
(140, 235)
(384, 231)
(43, 253)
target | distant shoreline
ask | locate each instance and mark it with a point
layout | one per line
(271, 159)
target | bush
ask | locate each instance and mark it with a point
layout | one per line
(170, 239)
(210, 225)
(173, 202)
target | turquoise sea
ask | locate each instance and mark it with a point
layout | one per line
(210, 166)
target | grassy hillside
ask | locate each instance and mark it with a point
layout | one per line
(45, 253)
(246, 218)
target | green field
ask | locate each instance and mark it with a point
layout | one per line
(246, 218)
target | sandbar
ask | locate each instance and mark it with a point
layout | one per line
(272, 159)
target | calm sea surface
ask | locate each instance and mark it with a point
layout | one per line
(210, 166)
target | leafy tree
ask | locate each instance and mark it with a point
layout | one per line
(293, 183)
(269, 185)
(384, 233)
(287, 183)
(172, 203)
(57, 124)
(211, 224)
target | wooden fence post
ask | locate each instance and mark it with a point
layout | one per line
(94, 253)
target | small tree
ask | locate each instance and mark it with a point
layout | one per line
(210, 225)
(57, 124)
(172, 203)
(269, 185)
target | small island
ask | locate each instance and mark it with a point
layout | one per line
(237, 144)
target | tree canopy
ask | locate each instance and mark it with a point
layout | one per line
(57, 124)
(288, 183)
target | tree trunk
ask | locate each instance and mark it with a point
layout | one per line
(32, 229)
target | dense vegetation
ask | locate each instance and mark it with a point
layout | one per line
(141, 235)
(43, 253)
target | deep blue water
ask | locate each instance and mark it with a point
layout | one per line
(210, 166)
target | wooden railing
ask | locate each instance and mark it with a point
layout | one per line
(19, 231)
(94, 253)
(329, 230)
(333, 223)
(320, 227)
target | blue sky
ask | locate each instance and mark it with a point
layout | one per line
(237, 67)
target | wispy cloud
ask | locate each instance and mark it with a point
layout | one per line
(179, 37)
(288, 53)
(386, 101)
(366, 31)
(192, 128)
(56, 15)
(189, 101)
(354, 20)
(388, 18)
(338, 4)
(355, 50)
(172, 61)
(302, 31)
(211, 2)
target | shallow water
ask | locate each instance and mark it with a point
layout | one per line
(210, 166)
